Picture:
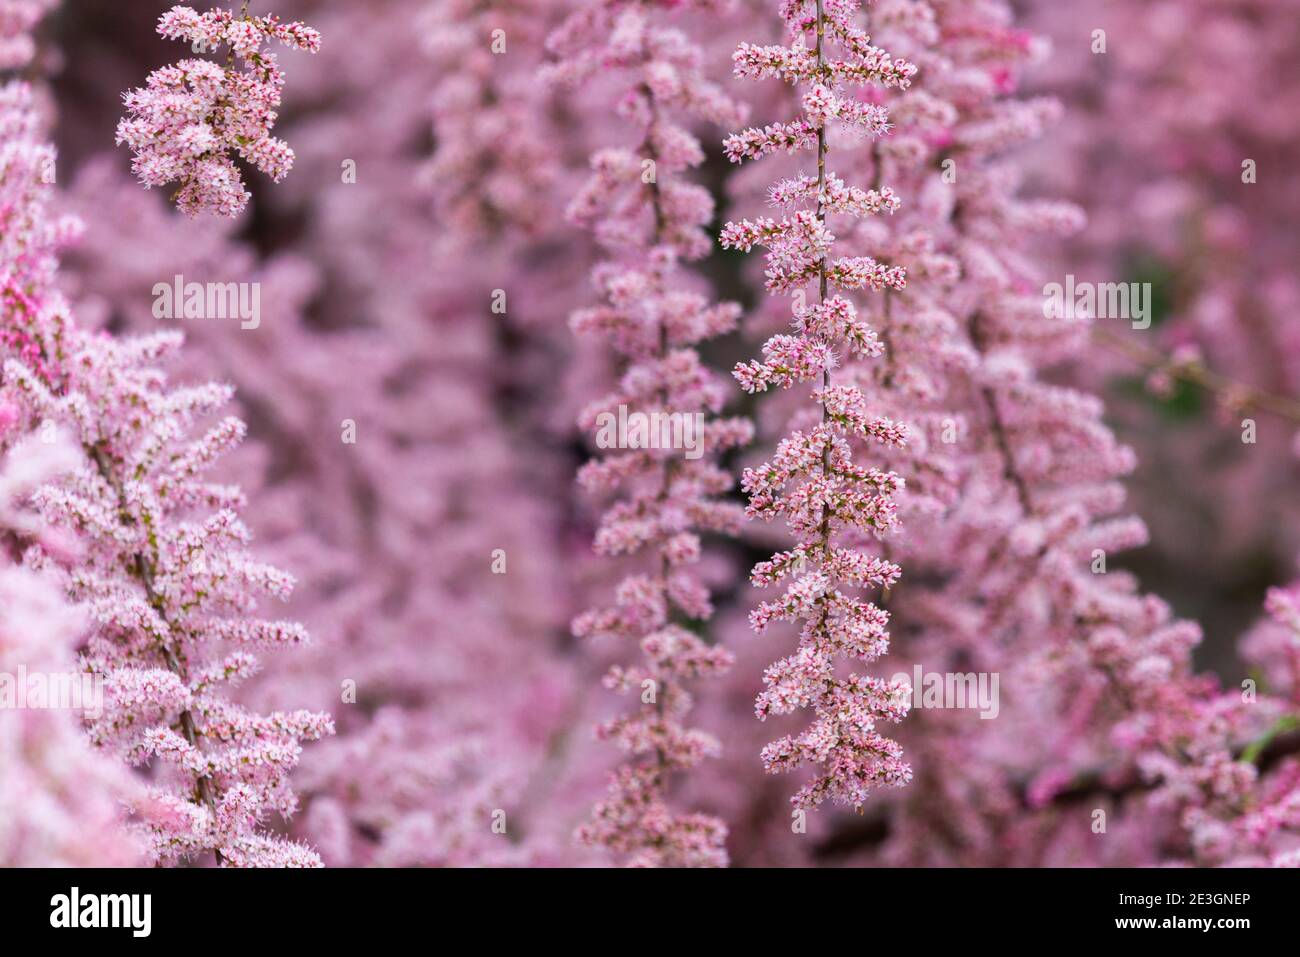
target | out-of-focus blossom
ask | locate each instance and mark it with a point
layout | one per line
(649, 219)
(17, 20)
(61, 804)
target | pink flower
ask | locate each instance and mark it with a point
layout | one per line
(648, 224)
(184, 124)
(160, 566)
(812, 481)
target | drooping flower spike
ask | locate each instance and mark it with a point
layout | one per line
(650, 219)
(813, 481)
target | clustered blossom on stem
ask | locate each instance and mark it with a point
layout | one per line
(163, 571)
(1013, 577)
(827, 499)
(184, 124)
(650, 220)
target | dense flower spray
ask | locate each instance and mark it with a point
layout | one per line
(185, 122)
(826, 498)
(1012, 574)
(650, 220)
(162, 568)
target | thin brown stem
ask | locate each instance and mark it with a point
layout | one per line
(1242, 396)
(667, 466)
(998, 427)
(822, 283)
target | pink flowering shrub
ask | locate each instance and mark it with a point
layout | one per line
(166, 578)
(184, 124)
(494, 266)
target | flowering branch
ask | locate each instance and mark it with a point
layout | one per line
(1187, 366)
(183, 125)
(650, 220)
(162, 567)
(812, 481)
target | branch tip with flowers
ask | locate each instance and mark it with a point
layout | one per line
(184, 124)
(649, 219)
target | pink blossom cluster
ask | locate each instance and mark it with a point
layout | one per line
(833, 506)
(183, 125)
(494, 166)
(649, 219)
(160, 566)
